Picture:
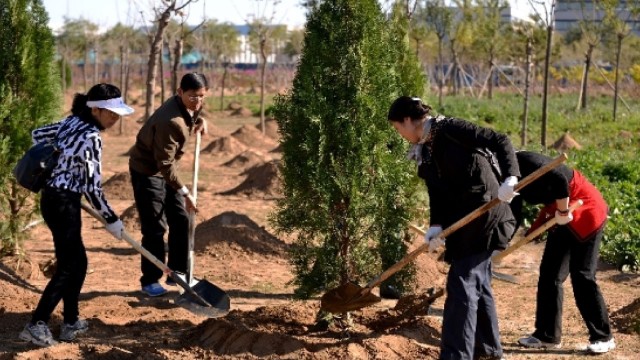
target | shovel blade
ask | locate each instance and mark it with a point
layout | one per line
(347, 297)
(216, 297)
(505, 277)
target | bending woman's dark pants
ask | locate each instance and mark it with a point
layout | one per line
(61, 212)
(564, 255)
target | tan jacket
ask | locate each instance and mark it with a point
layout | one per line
(161, 142)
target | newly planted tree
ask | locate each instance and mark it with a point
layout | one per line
(29, 97)
(347, 187)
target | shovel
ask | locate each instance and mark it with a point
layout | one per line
(203, 299)
(350, 296)
(534, 235)
(192, 212)
(496, 275)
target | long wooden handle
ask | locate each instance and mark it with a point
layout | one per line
(165, 269)
(196, 166)
(464, 221)
(192, 213)
(532, 236)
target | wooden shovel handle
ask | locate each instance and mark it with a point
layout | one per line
(192, 213)
(165, 269)
(464, 221)
(537, 232)
(162, 266)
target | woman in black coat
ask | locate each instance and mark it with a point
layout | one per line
(460, 179)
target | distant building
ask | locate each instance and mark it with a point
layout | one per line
(569, 13)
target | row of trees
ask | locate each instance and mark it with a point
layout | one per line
(474, 33)
(462, 48)
(29, 97)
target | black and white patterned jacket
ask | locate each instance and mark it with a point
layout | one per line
(78, 167)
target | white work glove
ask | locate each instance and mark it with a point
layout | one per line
(506, 192)
(563, 219)
(116, 228)
(433, 238)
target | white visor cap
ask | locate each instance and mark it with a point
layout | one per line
(116, 105)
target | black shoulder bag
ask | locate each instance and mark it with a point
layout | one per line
(35, 167)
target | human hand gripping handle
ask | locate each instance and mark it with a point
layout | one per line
(506, 192)
(115, 228)
(433, 238)
(563, 217)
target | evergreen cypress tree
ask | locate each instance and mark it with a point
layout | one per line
(29, 97)
(411, 82)
(348, 188)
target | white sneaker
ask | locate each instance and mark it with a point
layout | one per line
(68, 332)
(535, 343)
(601, 347)
(38, 334)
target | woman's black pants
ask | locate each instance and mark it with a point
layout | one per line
(61, 212)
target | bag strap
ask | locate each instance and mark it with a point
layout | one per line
(486, 153)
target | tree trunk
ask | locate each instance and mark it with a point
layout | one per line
(177, 56)
(96, 69)
(585, 77)
(454, 72)
(122, 71)
(490, 88)
(263, 67)
(63, 72)
(84, 71)
(122, 87)
(615, 91)
(161, 77)
(441, 82)
(152, 63)
(545, 88)
(527, 79)
(222, 85)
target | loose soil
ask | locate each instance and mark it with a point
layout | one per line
(238, 251)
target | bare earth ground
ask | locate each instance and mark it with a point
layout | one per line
(237, 251)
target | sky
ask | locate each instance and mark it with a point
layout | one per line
(107, 13)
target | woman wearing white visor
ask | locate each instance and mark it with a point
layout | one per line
(78, 172)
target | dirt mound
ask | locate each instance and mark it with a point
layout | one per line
(234, 105)
(277, 331)
(224, 146)
(261, 180)
(252, 137)
(19, 267)
(232, 231)
(566, 142)
(627, 319)
(118, 187)
(244, 159)
(214, 130)
(271, 128)
(242, 111)
(131, 219)
(431, 272)
(277, 149)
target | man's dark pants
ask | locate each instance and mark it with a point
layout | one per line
(155, 200)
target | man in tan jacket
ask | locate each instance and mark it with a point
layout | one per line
(158, 190)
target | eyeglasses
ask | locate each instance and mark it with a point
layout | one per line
(196, 98)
